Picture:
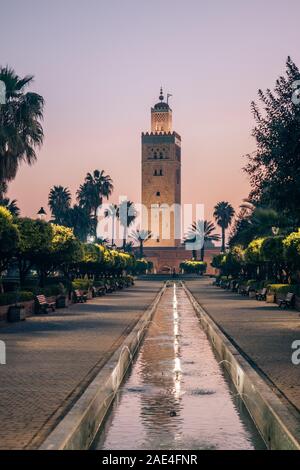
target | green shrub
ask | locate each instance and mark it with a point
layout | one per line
(283, 289)
(82, 284)
(142, 265)
(15, 297)
(292, 250)
(253, 253)
(48, 291)
(256, 285)
(10, 286)
(198, 267)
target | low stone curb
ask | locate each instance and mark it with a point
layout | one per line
(79, 427)
(277, 421)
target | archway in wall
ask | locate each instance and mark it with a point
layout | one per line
(166, 269)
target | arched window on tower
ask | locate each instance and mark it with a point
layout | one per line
(160, 173)
(155, 173)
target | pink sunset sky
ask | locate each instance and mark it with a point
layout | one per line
(99, 66)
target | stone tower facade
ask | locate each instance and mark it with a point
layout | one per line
(161, 178)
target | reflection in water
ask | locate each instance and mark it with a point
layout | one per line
(176, 395)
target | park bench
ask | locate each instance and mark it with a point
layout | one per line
(246, 291)
(109, 288)
(288, 301)
(43, 305)
(262, 294)
(235, 287)
(101, 290)
(98, 291)
(79, 296)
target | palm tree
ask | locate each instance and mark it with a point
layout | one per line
(11, 205)
(3, 189)
(128, 247)
(259, 222)
(264, 220)
(101, 241)
(95, 188)
(79, 220)
(127, 215)
(203, 231)
(21, 132)
(112, 212)
(91, 193)
(140, 237)
(223, 214)
(59, 202)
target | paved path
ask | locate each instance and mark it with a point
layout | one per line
(50, 360)
(260, 330)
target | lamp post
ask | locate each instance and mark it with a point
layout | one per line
(42, 213)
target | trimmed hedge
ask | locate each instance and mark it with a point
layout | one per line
(10, 298)
(82, 284)
(283, 289)
(48, 291)
(197, 267)
(142, 265)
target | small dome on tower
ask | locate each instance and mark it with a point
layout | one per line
(161, 105)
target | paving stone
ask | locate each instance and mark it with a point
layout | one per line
(51, 359)
(263, 331)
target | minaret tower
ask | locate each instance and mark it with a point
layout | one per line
(161, 178)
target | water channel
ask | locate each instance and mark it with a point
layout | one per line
(176, 394)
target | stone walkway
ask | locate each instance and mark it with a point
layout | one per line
(51, 359)
(262, 331)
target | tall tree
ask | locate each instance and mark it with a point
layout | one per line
(79, 220)
(96, 187)
(3, 189)
(223, 214)
(9, 238)
(258, 222)
(21, 132)
(127, 215)
(204, 233)
(59, 202)
(140, 237)
(11, 205)
(112, 212)
(34, 244)
(274, 167)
